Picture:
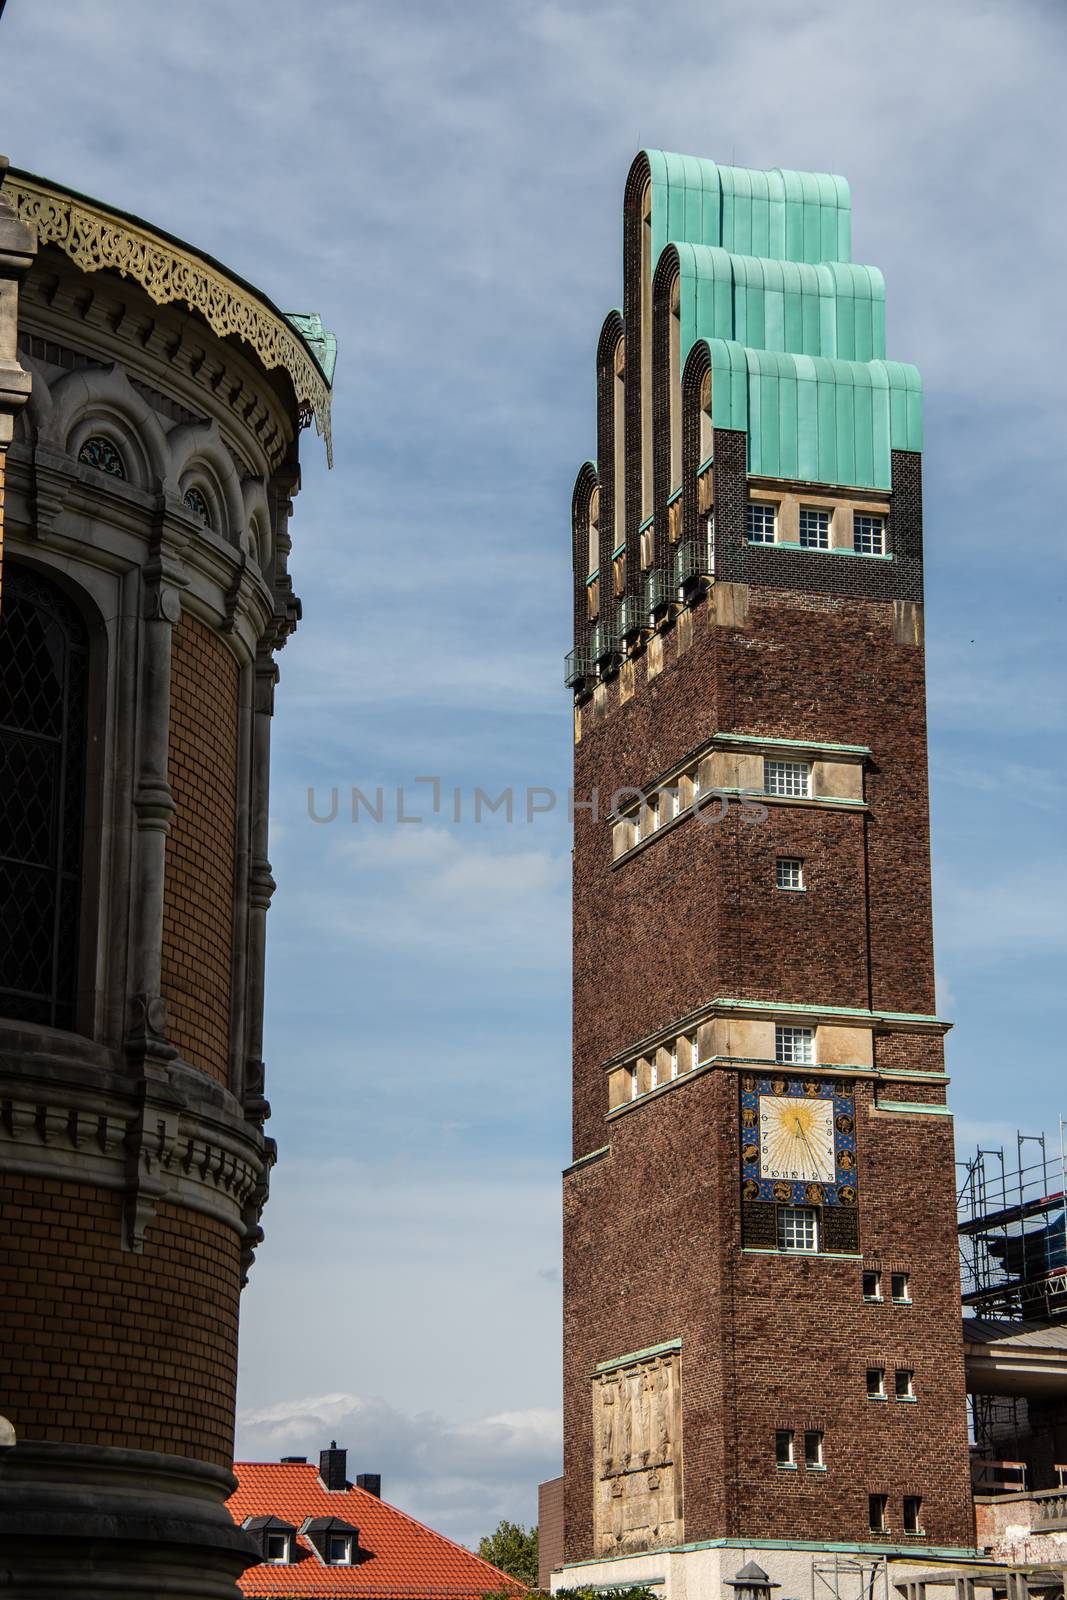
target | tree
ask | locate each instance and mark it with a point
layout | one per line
(513, 1549)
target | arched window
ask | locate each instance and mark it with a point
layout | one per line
(98, 451)
(195, 502)
(43, 670)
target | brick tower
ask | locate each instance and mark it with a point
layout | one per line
(762, 1340)
(149, 482)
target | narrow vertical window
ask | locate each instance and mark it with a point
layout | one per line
(876, 1383)
(904, 1383)
(900, 1288)
(43, 671)
(618, 413)
(876, 1513)
(813, 1452)
(675, 381)
(872, 1286)
(913, 1513)
(593, 533)
(646, 353)
(783, 1448)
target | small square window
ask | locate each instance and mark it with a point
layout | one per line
(904, 1383)
(339, 1550)
(789, 778)
(783, 1448)
(913, 1506)
(868, 534)
(789, 872)
(872, 1286)
(277, 1549)
(798, 1229)
(876, 1507)
(900, 1288)
(760, 521)
(814, 528)
(813, 1455)
(794, 1045)
(876, 1383)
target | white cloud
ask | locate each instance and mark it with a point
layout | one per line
(459, 1477)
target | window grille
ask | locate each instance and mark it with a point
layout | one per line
(43, 672)
(814, 528)
(868, 534)
(760, 522)
(789, 873)
(789, 778)
(798, 1228)
(794, 1044)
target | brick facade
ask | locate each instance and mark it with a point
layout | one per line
(198, 905)
(102, 1346)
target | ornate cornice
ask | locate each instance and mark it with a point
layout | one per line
(95, 237)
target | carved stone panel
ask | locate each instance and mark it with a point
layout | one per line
(637, 1455)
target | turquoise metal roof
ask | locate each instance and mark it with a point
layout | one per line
(816, 417)
(319, 340)
(791, 216)
(794, 330)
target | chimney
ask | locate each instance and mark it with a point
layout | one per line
(294, 1461)
(371, 1482)
(332, 1467)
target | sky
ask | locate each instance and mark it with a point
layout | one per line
(442, 180)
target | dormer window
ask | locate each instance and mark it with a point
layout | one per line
(339, 1550)
(276, 1549)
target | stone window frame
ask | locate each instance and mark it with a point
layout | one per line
(787, 1036)
(842, 507)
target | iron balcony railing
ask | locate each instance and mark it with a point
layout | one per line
(694, 561)
(659, 591)
(579, 667)
(604, 642)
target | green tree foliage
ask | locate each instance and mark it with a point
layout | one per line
(513, 1549)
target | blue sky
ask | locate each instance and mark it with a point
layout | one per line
(443, 182)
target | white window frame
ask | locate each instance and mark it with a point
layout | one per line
(916, 1502)
(879, 1391)
(344, 1539)
(905, 1391)
(798, 1223)
(868, 529)
(634, 1091)
(882, 1525)
(787, 1461)
(903, 1299)
(821, 516)
(877, 1298)
(794, 1047)
(790, 780)
(762, 506)
(814, 1461)
(783, 869)
(276, 1561)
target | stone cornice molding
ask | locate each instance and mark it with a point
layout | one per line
(96, 238)
(164, 1137)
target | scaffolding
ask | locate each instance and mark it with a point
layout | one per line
(1013, 1232)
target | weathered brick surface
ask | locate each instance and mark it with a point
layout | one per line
(198, 894)
(652, 1231)
(100, 1346)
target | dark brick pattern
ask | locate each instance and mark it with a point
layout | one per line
(103, 1347)
(198, 887)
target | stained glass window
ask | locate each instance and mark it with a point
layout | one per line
(43, 665)
(196, 503)
(100, 453)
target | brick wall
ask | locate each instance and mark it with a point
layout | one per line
(100, 1346)
(652, 1231)
(198, 903)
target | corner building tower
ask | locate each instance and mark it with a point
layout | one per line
(151, 405)
(762, 1340)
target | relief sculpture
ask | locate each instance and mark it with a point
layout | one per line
(637, 1488)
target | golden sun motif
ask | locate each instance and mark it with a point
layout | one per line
(796, 1139)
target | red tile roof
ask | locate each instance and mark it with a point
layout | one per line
(398, 1557)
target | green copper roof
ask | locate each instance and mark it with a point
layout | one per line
(319, 340)
(795, 331)
(789, 216)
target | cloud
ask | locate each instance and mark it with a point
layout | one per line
(459, 1477)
